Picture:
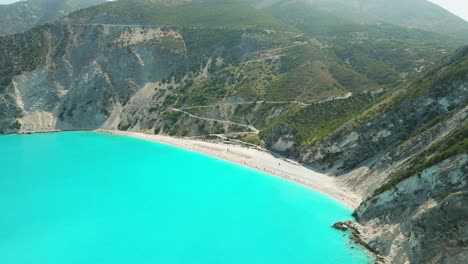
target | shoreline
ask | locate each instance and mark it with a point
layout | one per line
(259, 160)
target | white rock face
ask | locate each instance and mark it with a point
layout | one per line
(381, 134)
(36, 92)
(98, 71)
(38, 121)
(90, 75)
(137, 35)
(415, 221)
(350, 139)
(349, 147)
(283, 144)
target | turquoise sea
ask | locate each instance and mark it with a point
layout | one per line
(90, 198)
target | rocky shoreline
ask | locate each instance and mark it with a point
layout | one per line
(357, 236)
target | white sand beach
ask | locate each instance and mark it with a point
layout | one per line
(258, 160)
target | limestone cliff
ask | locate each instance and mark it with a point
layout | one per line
(408, 155)
(233, 72)
(80, 74)
(423, 219)
(118, 65)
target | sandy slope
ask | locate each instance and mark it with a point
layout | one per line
(259, 160)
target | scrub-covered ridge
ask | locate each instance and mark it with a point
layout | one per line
(373, 94)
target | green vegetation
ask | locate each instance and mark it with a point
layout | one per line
(310, 124)
(291, 72)
(440, 75)
(208, 91)
(258, 115)
(253, 139)
(309, 74)
(201, 44)
(385, 53)
(172, 116)
(437, 120)
(172, 44)
(305, 83)
(362, 61)
(284, 55)
(353, 81)
(17, 125)
(21, 52)
(337, 16)
(452, 145)
(181, 14)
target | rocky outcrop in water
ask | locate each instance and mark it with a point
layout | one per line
(260, 82)
(423, 219)
(410, 159)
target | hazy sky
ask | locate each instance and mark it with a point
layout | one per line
(7, 1)
(458, 7)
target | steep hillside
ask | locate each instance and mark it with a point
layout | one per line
(371, 103)
(178, 13)
(440, 92)
(408, 154)
(384, 52)
(24, 15)
(260, 65)
(411, 14)
(146, 77)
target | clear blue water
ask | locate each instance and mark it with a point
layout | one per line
(90, 198)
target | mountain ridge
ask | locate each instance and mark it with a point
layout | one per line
(369, 103)
(412, 14)
(24, 15)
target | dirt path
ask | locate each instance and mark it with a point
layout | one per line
(253, 129)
